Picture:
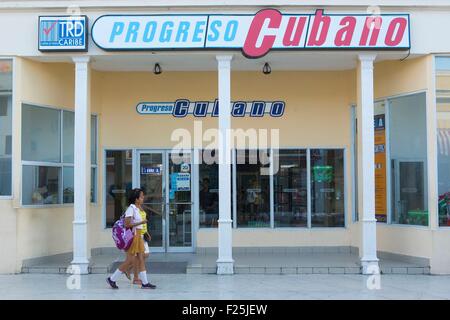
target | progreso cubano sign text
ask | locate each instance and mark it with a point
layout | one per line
(254, 34)
(183, 107)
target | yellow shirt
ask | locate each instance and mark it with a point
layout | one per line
(144, 217)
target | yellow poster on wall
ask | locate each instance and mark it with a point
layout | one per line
(380, 168)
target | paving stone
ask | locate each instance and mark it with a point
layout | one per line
(273, 270)
(288, 270)
(337, 270)
(304, 270)
(352, 270)
(52, 270)
(399, 270)
(320, 270)
(242, 270)
(413, 270)
(257, 270)
(36, 270)
(209, 270)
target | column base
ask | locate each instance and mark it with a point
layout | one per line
(370, 267)
(78, 267)
(225, 267)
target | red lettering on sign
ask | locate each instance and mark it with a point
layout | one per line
(295, 41)
(345, 35)
(391, 39)
(319, 20)
(372, 24)
(250, 49)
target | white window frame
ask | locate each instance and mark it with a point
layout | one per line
(61, 164)
(389, 222)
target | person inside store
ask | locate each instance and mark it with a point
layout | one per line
(209, 202)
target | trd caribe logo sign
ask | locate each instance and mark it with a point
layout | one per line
(63, 33)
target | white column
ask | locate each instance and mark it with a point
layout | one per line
(225, 261)
(366, 164)
(82, 166)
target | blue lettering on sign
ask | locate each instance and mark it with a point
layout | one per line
(199, 29)
(201, 109)
(258, 108)
(149, 32)
(215, 112)
(117, 30)
(181, 108)
(277, 109)
(132, 31)
(183, 31)
(166, 31)
(151, 170)
(238, 109)
(231, 30)
(213, 29)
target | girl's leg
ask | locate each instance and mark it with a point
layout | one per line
(142, 271)
(123, 267)
(136, 268)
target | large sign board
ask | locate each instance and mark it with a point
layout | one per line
(254, 34)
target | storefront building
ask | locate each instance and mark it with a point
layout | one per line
(349, 106)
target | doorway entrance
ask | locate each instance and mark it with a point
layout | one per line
(166, 178)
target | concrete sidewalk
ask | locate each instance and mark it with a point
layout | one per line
(190, 286)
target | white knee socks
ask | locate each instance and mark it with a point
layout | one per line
(143, 277)
(116, 275)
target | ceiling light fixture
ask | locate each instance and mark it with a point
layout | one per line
(267, 69)
(157, 69)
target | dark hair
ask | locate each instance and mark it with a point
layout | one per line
(133, 195)
(206, 179)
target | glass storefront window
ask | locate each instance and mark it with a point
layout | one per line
(208, 189)
(327, 188)
(290, 189)
(408, 156)
(5, 127)
(252, 187)
(41, 134)
(443, 138)
(43, 130)
(40, 185)
(68, 136)
(118, 183)
(68, 185)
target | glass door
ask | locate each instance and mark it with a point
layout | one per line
(179, 205)
(166, 178)
(152, 180)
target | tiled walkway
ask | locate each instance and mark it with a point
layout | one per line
(212, 287)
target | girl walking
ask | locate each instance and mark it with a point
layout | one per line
(135, 254)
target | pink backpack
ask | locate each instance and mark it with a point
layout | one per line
(122, 236)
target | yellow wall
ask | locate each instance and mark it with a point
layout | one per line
(314, 100)
(400, 77)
